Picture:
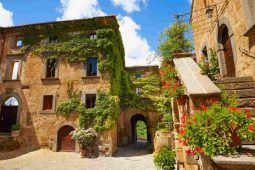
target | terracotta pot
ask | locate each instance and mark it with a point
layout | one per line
(83, 152)
(236, 140)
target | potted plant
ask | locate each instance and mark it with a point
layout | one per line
(87, 140)
(15, 130)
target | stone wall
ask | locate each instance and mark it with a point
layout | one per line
(206, 30)
(39, 128)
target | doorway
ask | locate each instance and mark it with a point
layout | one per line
(8, 114)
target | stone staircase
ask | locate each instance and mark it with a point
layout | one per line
(243, 88)
(4, 136)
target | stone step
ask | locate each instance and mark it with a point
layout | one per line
(234, 80)
(246, 102)
(245, 93)
(239, 85)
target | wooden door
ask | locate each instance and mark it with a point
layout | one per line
(228, 54)
(8, 117)
(65, 141)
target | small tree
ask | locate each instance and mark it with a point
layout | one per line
(173, 40)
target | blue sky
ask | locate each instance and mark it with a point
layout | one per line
(141, 21)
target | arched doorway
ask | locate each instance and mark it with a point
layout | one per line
(8, 114)
(134, 127)
(65, 141)
(225, 41)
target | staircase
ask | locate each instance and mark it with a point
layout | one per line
(4, 136)
(243, 87)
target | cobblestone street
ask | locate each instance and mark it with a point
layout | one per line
(134, 157)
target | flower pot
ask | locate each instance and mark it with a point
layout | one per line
(83, 152)
(192, 159)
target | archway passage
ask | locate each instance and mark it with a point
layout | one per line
(228, 53)
(8, 114)
(134, 134)
(65, 141)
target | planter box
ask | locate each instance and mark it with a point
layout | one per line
(15, 133)
(192, 159)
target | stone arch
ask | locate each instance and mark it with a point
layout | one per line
(133, 121)
(5, 97)
(224, 26)
(58, 128)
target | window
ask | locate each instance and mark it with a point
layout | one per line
(51, 68)
(93, 36)
(19, 43)
(90, 100)
(138, 75)
(13, 70)
(47, 102)
(205, 54)
(91, 67)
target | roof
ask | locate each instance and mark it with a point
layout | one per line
(191, 77)
(113, 17)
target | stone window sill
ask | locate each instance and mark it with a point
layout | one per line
(47, 112)
(50, 79)
(88, 77)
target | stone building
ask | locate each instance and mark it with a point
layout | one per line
(32, 85)
(228, 26)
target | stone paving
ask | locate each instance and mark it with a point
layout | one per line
(134, 157)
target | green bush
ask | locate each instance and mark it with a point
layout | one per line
(9, 145)
(165, 158)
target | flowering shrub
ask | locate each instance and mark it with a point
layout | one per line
(170, 84)
(212, 130)
(85, 137)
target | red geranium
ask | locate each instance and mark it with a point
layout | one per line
(251, 127)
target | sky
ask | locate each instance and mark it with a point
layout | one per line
(141, 21)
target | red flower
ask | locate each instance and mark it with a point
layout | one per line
(233, 108)
(184, 142)
(162, 72)
(203, 107)
(248, 113)
(181, 129)
(175, 87)
(251, 127)
(188, 152)
(215, 101)
(183, 118)
(198, 149)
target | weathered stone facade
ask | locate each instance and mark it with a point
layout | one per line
(210, 17)
(129, 116)
(38, 127)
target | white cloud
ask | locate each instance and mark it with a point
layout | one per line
(75, 9)
(6, 17)
(137, 48)
(129, 5)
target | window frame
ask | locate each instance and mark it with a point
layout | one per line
(52, 110)
(85, 93)
(85, 67)
(44, 76)
(10, 60)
